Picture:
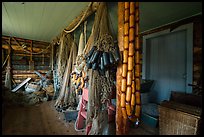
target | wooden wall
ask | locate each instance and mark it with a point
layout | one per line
(197, 52)
(20, 58)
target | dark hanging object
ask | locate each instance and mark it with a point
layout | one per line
(111, 58)
(91, 57)
(106, 59)
(117, 54)
(101, 72)
(95, 56)
(88, 64)
(91, 51)
(102, 64)
(95, 66)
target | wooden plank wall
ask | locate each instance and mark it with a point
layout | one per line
(20, 58)
(197, 53)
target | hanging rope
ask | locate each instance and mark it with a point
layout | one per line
(89, 6)
(85, 24)
(23, 46)
(41, 52)
(113, 30)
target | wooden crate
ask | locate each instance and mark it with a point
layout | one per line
(178, 119)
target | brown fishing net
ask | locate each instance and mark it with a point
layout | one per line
(62, 57)
(70, 95)
(66, 94)
(99, 85)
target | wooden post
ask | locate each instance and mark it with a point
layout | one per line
(121, 123)
(2, 51)
(31, 62)
(8, 68)
(31, 50)
(52, 58)
(43, 59)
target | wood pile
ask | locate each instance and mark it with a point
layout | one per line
(22, 51)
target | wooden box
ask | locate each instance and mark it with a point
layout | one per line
(179, 119)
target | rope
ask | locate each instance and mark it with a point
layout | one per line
(85, 24)
(41, 52)
(69, 31)
(113, 30)
(95, 30)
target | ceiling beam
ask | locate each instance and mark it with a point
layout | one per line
(173, 25)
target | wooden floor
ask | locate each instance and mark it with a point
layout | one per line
(43, 119)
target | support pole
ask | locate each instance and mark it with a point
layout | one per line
(2, 59)
(8, 68)
(52, 58)
(31, 62)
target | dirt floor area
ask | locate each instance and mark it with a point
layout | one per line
(40, 119)
(43, 119)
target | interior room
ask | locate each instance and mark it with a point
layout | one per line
(102, 68)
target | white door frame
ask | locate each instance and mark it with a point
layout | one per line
(189, 50)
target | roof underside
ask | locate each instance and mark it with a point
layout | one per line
(44, 20)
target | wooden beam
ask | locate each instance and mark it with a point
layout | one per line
(2, 59)
(24, 77)
(52, 57)
(31, 62)
(18, 81)
(31, 50)
(23, 52)
(27, 71)
(28, 40)
(19, 54)
(20, 85)
(16, 47)
(172, 26)
(8, 77)
(17, 42)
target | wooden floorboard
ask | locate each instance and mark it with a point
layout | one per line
(43, 119)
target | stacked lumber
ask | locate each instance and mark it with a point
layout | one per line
(21, 52)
